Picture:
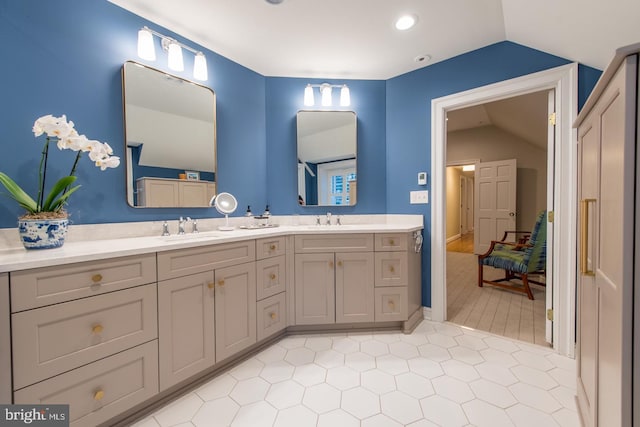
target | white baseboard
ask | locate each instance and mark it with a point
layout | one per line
(452, 238)
(426, 311)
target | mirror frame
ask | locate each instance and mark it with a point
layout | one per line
(130, 185)
(355, 151)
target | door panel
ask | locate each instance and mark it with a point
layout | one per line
(495, 202)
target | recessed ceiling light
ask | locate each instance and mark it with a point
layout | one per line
(422, 58)
(274, 1)
(406, 21)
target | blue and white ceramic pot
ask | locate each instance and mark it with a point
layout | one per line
(43, 233)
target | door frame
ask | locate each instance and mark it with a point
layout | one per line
(564, 80)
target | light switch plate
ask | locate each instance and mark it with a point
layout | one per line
(419, 197)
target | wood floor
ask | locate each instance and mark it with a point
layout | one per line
(489, 308)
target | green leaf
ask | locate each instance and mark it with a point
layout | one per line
(18, 194)
(59, 202)
(52, 202)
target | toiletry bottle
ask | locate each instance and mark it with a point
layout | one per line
(248, 217)
(266, 215)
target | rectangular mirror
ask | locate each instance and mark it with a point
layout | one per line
(170, 139)
(327, 146)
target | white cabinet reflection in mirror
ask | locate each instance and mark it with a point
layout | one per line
(166, 193)
(169, 129)
(327, 146)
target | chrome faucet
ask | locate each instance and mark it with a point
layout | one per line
(181, 223)
(328, 218)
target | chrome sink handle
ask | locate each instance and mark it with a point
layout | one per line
(338, 220)
(181, 222)
(318, 220)
(165, 229)
(194, 226)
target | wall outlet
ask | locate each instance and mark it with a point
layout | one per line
(419, 197)
(422, 178)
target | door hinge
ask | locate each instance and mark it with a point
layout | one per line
(552, 119)
(550, 216)
(550, 314)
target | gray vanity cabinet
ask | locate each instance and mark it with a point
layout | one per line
(186, 327)
(334, 278)
(235, 309)
(206, 307)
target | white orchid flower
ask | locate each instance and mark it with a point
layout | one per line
(108, 162)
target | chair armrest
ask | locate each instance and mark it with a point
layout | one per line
(516, 246)
(523, 239)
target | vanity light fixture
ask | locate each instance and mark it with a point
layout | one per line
(146, 50)
(325, 94)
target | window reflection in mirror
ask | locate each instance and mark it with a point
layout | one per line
(170, 137)
(326, 142)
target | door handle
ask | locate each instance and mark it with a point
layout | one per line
(512, 214)
(584, 237)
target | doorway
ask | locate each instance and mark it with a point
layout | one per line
(509, 139)
(564, 81)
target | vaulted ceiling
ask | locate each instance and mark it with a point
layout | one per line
(357, 39)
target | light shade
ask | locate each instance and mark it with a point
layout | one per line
(308, 96)
(345, 96)
(146, 49)
(325, 91)
(468, 168)
(200, 67)
(175, 57)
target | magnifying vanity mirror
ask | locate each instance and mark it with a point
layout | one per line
(170, 137)
(327, 146)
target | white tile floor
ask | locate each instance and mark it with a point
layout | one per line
(440, 375)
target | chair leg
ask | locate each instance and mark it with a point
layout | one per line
(525, 282)
(480, 274)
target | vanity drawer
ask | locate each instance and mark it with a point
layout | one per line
(391, 269)
(270, 247)
(272, 315)
(271, 276)
(391, 304)
(391, 242)
(183, 262)
(51, 340)
(51, 285)
(312, 243)
(101, 390)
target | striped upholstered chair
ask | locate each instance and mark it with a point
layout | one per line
(517, 259)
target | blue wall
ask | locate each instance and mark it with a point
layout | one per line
(66, 57)
(284, 100)
(408, 119)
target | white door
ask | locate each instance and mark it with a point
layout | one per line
(551, 157)
(464, 225)
(495, 202)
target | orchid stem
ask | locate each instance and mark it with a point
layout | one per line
(42, 174)
(73, 170)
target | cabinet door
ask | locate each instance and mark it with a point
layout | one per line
(159, 193)
(235, 309)
(185, 327)
(314, 289)
(193, 193)
(354, 287)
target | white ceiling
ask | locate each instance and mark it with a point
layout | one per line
(356, 38)
(524, 116)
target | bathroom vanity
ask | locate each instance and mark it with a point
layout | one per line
(112, 327)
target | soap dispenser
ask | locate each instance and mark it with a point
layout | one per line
(266, 212)
(248, 217)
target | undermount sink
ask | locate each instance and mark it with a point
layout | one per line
(192, 236)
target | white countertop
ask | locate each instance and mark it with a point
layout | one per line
(101, 241)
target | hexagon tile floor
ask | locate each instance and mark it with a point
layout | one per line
(440, 375)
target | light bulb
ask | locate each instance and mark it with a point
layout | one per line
(326, 95)
(175, 57)
(405, 22)
(146, 49)
(345, 96)
(200, 67)
(308, 96)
